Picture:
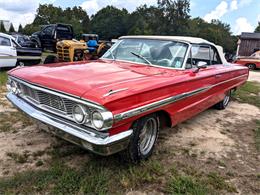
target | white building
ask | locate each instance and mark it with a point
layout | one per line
(7, 24)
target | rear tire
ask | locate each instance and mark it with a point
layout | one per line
(145, 133)
(50, 59)
(224, 103)
(251, 66)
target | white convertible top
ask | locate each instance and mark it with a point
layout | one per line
(191, 40)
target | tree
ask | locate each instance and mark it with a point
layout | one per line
(257, 30)
(20, 28)
(11, 29)
(167, 18)
(110, 22)
(49, 14)
(145, 21)
(31, 28)
(175, 17)
(216, 32)
(2, 27)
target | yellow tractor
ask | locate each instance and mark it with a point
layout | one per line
(88, 48)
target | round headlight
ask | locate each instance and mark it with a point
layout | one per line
(97, 120)
(80, 114)
(14, 87)
(8, 85)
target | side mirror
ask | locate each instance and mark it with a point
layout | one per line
(200, 65)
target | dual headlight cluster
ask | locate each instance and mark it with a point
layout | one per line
(99, 119)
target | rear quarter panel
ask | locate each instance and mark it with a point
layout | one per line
(230, 77)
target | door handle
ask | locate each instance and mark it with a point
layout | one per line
(218, 76)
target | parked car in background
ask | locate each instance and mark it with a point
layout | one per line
(252, 62)
(121, 101)
(24, 40)
(51, 34)
(13, 54)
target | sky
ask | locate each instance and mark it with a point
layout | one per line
(242, 15)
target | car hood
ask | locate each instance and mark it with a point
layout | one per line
(99, 81)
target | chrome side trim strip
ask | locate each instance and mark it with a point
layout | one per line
(152, 106)
(61, 94)
(167, 101)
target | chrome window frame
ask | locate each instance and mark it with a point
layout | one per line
(183, 67)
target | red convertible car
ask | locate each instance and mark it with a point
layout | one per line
(119, 102)
(252, 62)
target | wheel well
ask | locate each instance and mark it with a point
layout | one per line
(165, 119)
(247, 64)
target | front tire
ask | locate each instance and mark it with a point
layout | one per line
(251, 66)
(224, 103)
(145, 133)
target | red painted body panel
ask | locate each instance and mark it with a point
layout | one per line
(142, 85)
(246, 61)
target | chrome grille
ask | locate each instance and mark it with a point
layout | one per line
(48, 100)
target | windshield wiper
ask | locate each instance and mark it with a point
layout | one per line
(141, 57)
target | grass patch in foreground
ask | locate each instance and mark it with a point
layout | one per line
(111, 176)
(257, 135)
(8, 119)
(3, 78)
(249, 93)
(191, 181)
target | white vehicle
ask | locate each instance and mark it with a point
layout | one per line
(12, 53)
(7, 48)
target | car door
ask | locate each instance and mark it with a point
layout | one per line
(198, 83)
(7, 50)
(47, 37)
(223, 77)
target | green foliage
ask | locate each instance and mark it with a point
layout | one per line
(168, 17)
(3, 78)
(49, 14)
(257, 30)
(20, 28)
(11, 29)
(110, 22)
(216, 32)
(2, 27)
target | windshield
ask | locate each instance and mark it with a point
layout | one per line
(156, 52)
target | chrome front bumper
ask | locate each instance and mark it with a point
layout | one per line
(100, 143)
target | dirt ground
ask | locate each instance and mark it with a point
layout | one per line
(254, 76)
(222, 136)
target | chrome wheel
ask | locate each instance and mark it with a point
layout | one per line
(147, 136)
(251, 66)
(226, 99)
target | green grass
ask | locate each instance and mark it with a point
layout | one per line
(3, 78)
(257, 135)
(186, 185)
(8, 119)
(249, 93)
(111, 176)
(187, 180)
